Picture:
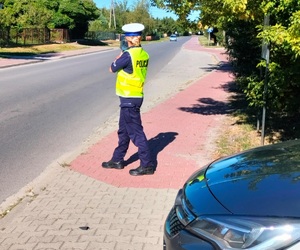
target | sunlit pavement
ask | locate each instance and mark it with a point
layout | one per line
(83, 206)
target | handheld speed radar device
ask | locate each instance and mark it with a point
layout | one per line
(123, 43)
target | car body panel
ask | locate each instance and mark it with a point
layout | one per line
(263, 182)
(248, 182)
(200, 197)
(268, 186)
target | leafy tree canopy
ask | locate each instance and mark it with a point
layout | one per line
(243, 22)
(72, 14)
(137, 12)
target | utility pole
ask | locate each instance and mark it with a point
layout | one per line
(112, 14)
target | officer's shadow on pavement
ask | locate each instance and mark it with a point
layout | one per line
(156, 145)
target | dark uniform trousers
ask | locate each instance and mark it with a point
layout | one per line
(130, 128)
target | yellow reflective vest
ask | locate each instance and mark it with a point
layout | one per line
(131, 85)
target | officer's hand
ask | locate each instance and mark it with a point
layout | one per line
(119, 55)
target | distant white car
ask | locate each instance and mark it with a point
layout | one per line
(173, 37)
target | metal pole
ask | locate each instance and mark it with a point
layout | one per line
(266, 56)
(263, 125)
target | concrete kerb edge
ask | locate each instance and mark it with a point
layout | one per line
(86, 53)
(66, 55)
(18, 64)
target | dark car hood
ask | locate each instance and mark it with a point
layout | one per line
(261, 182)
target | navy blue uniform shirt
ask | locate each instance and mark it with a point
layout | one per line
(123, 62)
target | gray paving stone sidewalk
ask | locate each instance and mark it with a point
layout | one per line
(77, 212)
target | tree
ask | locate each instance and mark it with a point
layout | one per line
(34, 14)
(101, 23)
(123, 13)
(140, 13)
(71, 14)
(81, 12)
(167, 25)
(243, 22)
(182, 9)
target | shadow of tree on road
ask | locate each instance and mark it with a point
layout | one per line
(221, 66)
(209, 106)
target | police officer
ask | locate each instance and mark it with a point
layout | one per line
(131, 68)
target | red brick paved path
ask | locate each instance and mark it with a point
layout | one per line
(177, 130)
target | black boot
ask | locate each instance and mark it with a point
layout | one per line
(142, 171)
(112, 164)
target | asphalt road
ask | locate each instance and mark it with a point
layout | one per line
(49, 109)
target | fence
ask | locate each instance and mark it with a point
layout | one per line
(59, 35)
(100, 35)
(28, 36)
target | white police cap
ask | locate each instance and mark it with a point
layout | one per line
(133, 29)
